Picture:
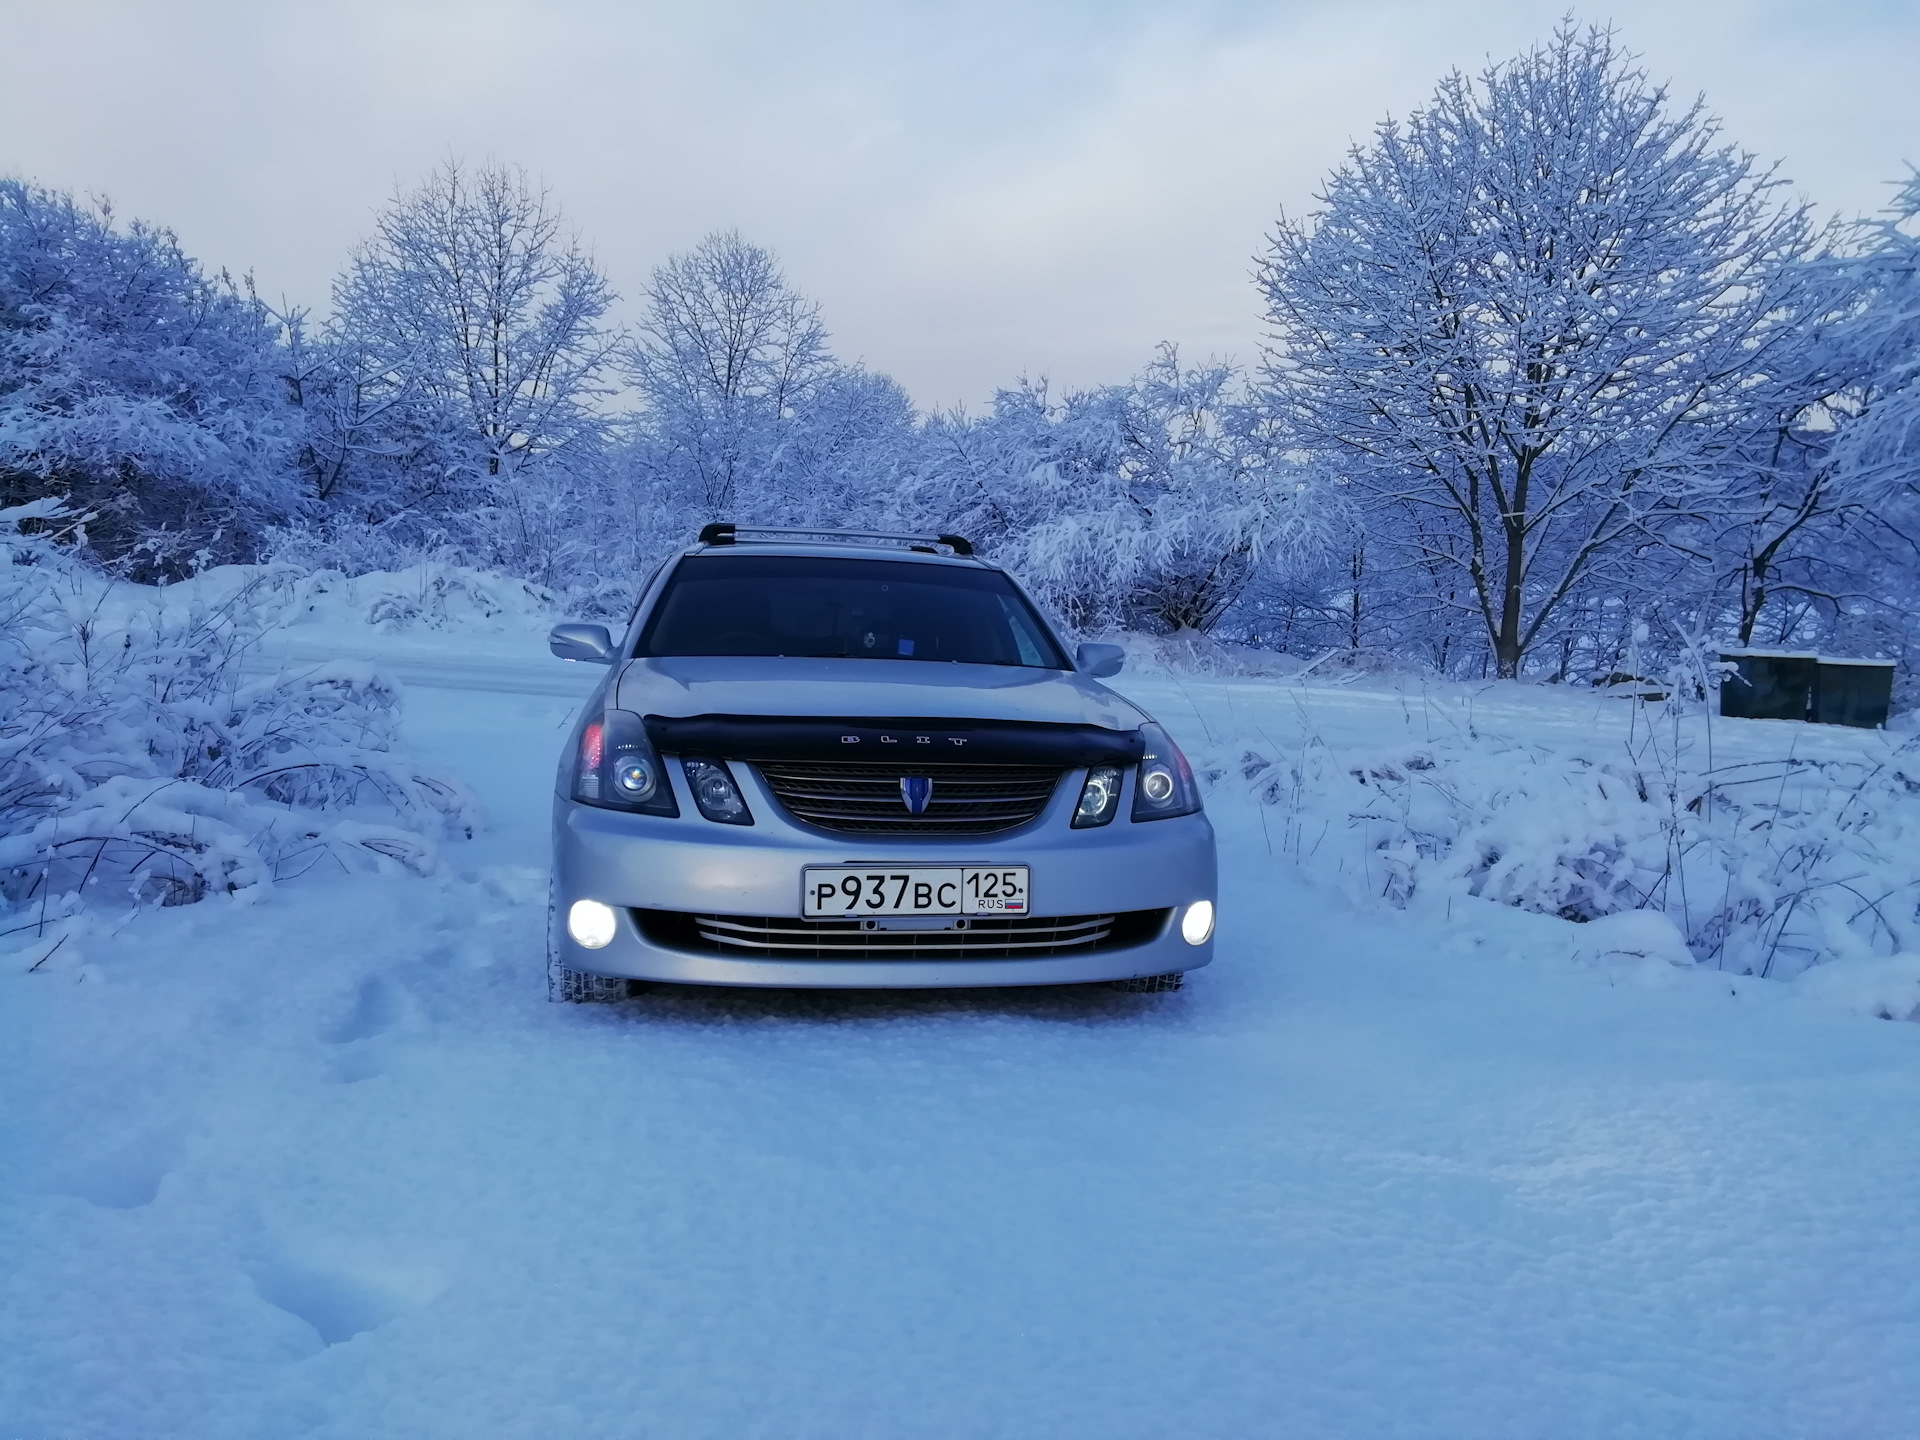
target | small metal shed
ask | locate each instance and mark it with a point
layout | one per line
(1853, 692)
(1799, 685)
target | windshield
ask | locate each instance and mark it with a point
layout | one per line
(820, 606)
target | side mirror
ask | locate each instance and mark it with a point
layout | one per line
(1099, 661)
(581, 642)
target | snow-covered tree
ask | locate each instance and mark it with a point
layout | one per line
(1153, 504)
(375, 448)
(1880, 443)
(473, 297)
(1817, 529)
(844, 452)
(457, 394)
(135, 388)
(745, 414)
(727, 353)
(1523, 322)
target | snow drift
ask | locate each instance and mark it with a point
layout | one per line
(138, 761)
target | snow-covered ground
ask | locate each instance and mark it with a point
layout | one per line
(320, 1160)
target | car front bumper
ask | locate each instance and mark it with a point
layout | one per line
(692, 865)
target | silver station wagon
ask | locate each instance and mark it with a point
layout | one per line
(845, 760)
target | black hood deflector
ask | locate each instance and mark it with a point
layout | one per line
(912, 741)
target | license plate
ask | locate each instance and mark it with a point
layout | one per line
(833, 892)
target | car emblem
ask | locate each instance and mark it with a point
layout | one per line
(916, 791)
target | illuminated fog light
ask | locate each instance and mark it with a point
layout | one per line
(591, 923)
(1195, 926)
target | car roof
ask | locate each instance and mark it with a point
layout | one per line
(838, 551)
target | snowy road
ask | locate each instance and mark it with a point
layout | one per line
(326, 1164)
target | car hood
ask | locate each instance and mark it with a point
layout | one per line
(680, 687)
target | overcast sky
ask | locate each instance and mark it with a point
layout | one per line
(973, 190)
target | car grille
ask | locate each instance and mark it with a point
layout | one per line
(776, 937)
(866, 799)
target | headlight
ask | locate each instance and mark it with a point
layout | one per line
(590, 923)
(1197, 924)
(617, 768)
(715, 793)
(1099, 797)
(635, 777)
(1164, 785)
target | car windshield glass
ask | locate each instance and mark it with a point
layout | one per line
(822, 606)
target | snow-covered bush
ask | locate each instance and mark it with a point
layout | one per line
(1193, 652)
(1763, 866)
(137, 761)
(136, 387)
(429, 595)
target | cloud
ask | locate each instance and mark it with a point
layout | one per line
(974, 190)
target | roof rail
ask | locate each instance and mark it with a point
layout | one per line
(722, 533)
